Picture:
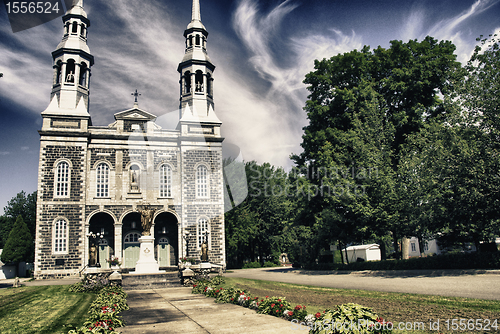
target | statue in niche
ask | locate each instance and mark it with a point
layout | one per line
(134, 179)
(204, 251)
(146, 219)
(93, 255)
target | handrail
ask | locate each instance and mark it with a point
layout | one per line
(80, 273)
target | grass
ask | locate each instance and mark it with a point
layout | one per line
(42, 309)
(395, 307)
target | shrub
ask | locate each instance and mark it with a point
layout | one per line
(103, 313)
(475, 260)
(348, 318)
(273, 306)
(270, 264)
(90, 284)
(249, 265)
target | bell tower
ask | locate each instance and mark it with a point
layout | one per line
(196, 73)
(72, 61)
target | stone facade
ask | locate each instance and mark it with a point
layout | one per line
(93, 179)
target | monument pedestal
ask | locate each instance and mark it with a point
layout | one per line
(147, 263)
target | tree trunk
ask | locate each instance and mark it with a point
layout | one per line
(341, 254)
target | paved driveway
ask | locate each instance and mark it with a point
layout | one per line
(452, 283)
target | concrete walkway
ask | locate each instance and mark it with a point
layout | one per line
(176, 310)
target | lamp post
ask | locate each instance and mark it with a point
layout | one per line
(93, 239)
(185, 236)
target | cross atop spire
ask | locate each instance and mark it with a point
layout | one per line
(136, 94)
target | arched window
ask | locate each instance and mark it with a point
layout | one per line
(75, 28)
(187, 82)
(201, 182)
(58, 72)
(62, 179)
(165, 181)
(197, 40)
(202, 230)
(199, 81)
(135, 176)
(132, 237)
(83, 75)
(209, 85)
(82, 30)
(190, 41)
(67, 28)
(61, 236)
(102, 180)
(70, 71)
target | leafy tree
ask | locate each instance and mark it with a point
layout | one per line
(362, 108)
(451, 169)
(19, 245)
(25, 205)
(5, 228)
(258, 229)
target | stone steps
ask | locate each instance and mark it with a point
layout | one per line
(150, 281)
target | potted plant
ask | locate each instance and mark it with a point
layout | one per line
(114, 262)
(186, 262)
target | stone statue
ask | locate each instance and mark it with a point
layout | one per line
(146, 219)
(204, 251)
(93, 255)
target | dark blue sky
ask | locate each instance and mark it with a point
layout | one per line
(262, 50)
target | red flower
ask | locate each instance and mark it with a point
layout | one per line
(279, 300)
(277, 311)
(272, 305)
(267, 296)
(317, 315)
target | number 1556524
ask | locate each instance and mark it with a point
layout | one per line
(47, 7)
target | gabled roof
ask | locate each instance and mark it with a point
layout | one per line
(135, 114)
(363, 247)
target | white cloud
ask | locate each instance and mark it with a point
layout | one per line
(269, 128)
(452, 29)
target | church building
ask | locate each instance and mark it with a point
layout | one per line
(94, 181)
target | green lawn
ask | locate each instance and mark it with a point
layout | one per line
(42, 309)
(395, 307)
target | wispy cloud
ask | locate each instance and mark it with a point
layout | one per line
(273, 125)
(452, 28)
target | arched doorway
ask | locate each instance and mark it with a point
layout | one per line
(131, 231)
(101, 225)
(166, 243)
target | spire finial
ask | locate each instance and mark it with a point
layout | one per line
(196, 11)
(136, 94)
(78, 3)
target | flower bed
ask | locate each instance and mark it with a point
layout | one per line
(103, 313)
(347, 318)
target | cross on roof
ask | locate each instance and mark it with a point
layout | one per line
(136, 94)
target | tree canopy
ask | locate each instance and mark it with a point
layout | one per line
(19, 245)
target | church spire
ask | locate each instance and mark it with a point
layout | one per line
(196, 70)
(196, 11)
(72, 61)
